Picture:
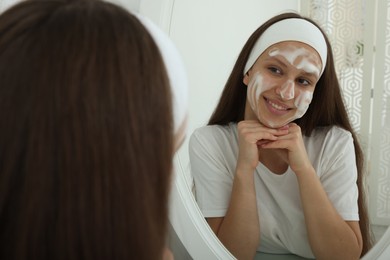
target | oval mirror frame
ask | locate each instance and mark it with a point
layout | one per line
(188, 222)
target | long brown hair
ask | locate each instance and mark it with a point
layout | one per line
(86, 135)
(326, 109)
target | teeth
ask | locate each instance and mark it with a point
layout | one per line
(276, 106)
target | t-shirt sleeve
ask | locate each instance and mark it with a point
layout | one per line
(340, 175)
(213, 183)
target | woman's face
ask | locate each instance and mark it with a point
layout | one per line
(281, 83)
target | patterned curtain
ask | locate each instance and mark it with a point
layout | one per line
(359, 31)
(343, 21)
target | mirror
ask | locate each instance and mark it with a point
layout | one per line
(210, 34)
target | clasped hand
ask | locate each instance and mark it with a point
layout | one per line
(286, 142)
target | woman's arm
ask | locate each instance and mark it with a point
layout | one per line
(239, 230)
(330, 236)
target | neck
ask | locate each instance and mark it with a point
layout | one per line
(274, 160)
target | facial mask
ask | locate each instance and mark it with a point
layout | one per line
(301, 58)
(287, 90)
(302, 103)
(260, 84)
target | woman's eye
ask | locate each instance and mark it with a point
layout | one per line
(304, 82)
(275, 70)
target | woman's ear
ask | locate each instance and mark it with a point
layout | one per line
(246, 78)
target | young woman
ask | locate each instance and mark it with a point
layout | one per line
(279, 169)
(92, 105)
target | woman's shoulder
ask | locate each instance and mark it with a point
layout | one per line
(216, 131)
(326, 144)
(215, 135)
(330, 136)
(332, 132)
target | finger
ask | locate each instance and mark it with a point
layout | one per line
(261, 142)
(285, 127)
(294, 128)
(282, 132)
(249, 123)
(277, 132)
(291, 141)
(287, 136)
(255, 124)
(293, 134)
(280, 143)
(272, 145)
(258, 136)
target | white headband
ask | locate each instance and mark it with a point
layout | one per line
(175, 69)
(292, 29)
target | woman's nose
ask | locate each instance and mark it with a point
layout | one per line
(286, 91)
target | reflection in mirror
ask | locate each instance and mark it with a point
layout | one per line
(211, 79)
(271, 168)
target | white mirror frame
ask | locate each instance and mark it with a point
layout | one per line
(188, 221)
(381, 250)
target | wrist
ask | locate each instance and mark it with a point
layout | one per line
(245, 174)
(305, 171)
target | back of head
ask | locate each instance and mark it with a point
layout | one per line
(86, 133)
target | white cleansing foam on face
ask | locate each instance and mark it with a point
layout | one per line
(258, 84)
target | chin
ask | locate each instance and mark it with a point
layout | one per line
(285, 120)
(270, 124)
(275, 125)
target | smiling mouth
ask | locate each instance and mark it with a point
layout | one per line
(277, 106)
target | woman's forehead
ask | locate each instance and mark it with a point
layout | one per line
(291, 51)
(304, 48)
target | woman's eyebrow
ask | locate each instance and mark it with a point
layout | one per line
(312, 75)
(282, 62)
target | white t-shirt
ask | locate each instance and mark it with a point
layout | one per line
(213, 157)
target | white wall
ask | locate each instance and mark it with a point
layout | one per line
(4, 4)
